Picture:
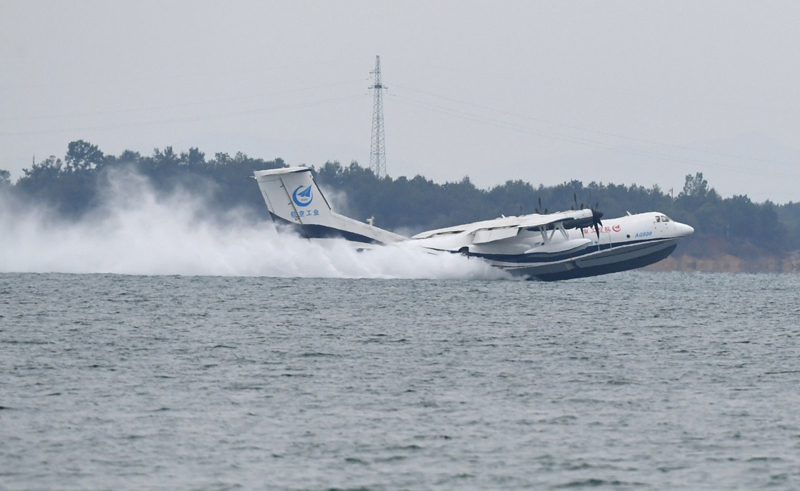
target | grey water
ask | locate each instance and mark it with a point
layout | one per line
(630, 381)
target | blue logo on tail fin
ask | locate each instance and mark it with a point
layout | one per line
(302, 196)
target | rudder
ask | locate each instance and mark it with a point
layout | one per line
(292, 195)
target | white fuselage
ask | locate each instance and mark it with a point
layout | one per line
(624, 243)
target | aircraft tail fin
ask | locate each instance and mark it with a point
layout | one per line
(293, 198)
(292, 195)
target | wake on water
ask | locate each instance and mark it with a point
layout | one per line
(136, 231)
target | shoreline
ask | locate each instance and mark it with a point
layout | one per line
(726, 263)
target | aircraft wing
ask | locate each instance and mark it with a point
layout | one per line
(507, 227)
(569, 219)
(486, 235)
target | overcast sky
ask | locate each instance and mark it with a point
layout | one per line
(546, 92)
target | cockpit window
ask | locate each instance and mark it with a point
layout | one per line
(658, 219)
(664, 218)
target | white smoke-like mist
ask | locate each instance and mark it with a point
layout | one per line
(139, 232)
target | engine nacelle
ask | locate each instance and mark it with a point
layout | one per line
(572, 245)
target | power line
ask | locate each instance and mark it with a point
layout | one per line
(189, 118)
(599, 132)
(581, 141)
(186, 104)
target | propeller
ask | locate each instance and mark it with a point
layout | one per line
(596, 216)
(575, 203)
(540, 207)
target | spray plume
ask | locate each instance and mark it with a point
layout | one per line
(137, 231)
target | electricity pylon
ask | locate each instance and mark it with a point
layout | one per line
(377, 151)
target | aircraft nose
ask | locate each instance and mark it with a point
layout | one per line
(683, 229)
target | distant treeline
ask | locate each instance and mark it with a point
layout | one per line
(737, 226)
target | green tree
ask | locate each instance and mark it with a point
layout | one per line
(695, 186)
(733, 225)
(83, 156)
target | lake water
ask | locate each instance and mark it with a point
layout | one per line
(630, 381)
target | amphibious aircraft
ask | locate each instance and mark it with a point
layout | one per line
(554, 246)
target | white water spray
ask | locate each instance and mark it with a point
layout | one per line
(136, 231)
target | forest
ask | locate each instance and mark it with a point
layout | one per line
(734, 226)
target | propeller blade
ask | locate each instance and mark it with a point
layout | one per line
(596, 216)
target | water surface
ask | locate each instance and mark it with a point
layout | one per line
(629, 381)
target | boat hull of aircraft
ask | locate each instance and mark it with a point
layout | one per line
(555, 246)
(593, 261)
